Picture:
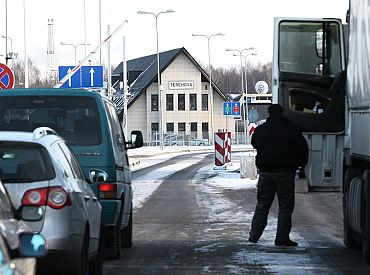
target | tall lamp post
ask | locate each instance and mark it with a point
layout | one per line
(12, 54)
(160, 126)
(246, 92)
(210, 76)
(240, 54)
(75, 47)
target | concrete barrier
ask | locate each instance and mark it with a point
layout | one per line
(248, 167)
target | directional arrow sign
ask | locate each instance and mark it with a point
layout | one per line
(73, 81)
(85, 77)
(92, 76)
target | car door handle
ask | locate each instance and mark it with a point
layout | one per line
(94, 198)
(86, 198)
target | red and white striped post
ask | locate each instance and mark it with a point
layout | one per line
(222, 148)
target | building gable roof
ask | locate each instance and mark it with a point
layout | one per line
(143, 73)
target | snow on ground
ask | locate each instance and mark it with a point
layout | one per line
(226, 177)
(223, 213)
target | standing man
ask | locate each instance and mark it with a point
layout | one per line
(281, 149)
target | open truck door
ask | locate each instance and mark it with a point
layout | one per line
(308, 80)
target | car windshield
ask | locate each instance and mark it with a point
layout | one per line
(24, 162)
(73, 118)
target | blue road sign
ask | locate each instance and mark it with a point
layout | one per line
(74, 81)
(92, 76)
(85, 77)
(231, 108)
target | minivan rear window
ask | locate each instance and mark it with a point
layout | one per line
(24, 162)
(74, 118)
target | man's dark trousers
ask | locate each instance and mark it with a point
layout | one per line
(269, 184)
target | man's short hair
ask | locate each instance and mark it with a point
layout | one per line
(275, 110)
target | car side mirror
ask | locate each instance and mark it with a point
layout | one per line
(30, 213)
(32, 245)
(136, 140)
(98, 176)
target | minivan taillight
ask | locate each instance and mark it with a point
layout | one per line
(107, 190)
(56, 197)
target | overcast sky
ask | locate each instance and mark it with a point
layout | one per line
(245, 23)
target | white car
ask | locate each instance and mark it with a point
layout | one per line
(184, 140)
(39, 169)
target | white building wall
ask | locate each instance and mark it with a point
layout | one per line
(137, 116)
(181, 69)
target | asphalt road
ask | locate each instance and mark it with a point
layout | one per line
(189, 227)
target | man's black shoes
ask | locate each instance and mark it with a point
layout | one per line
(286, 243)
(252, 239)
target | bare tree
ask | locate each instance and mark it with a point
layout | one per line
(35, 80)
(229, 80)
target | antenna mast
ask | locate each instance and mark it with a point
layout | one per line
(50, 51)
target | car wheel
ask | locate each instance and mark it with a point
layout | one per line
(349, 238)
(96, 265)
(126, 233)
(83, 264)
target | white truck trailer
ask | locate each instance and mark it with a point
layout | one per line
(321, 76)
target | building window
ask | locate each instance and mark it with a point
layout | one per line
(170, 128)
(181, 102)
(154, 103)
(155, 133)
(169, 102)
(193, 102)
(181, 127)
(205, 132)
(206, 87)
(204, 102)
(193, 127)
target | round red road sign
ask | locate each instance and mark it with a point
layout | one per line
(6, 77)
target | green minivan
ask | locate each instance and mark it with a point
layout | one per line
(89, 123)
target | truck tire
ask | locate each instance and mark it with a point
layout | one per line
(349, 238)
(365, 218)
(126, 233)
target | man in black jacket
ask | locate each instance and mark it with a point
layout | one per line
(281, 149)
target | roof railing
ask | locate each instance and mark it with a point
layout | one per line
(43, 131)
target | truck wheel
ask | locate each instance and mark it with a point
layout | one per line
(365, 219)
(348, 234)
(126, 233)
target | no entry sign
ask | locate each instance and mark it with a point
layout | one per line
(6, 77)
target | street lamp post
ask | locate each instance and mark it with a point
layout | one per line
(6, 32)
(245, 116)
(75, 48)
(246, 92)
(160, 126)
(210, 77)
(12, 54)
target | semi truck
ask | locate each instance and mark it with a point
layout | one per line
(321, 77)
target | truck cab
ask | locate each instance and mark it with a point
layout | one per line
(309, 81)
(330, 101)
